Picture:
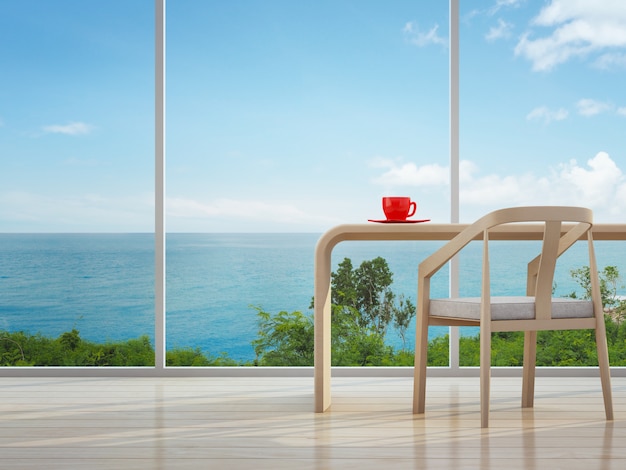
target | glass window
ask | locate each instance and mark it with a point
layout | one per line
(76, 182)
(285, 119)
(542, 112)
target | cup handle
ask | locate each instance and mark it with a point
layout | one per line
(412, 209)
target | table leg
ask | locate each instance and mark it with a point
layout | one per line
(322, 322)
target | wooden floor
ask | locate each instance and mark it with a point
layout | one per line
(268, 423)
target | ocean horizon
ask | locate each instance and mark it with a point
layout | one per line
(103, 284)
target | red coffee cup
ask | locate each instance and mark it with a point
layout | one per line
(398, 208)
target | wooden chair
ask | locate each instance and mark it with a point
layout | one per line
(536, 311)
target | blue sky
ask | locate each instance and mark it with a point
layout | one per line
(297, 116)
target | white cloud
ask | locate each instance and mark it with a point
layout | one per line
(409, 174)
(504, 191)
(491, 11)
(419, 38)
(599, 184)
(610, 60)
(594, 186)
(73, 128)
(543, 113)
(32, 211)
(585, 107)
(186, 212)
(581, 27)
(502, 30)
(467, 170)
(620, 195)
(502, 4)
(183, 207)
(589, 107)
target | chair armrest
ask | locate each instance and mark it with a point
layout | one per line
(429, 266)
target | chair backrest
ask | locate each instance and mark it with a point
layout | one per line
(541, 269)
(556, 240)
(581, 216)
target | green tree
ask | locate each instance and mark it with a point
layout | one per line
(354, 345)
(563, 348)
(69, 349)
(609, 280)
(284, 339)
(190, 357)
(402, 318)
(367, 290)
(610, 283)
(362, 308)
(70, 339)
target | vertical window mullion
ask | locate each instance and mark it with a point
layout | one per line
(159, 189)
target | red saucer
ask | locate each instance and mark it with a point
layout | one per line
(406, 221)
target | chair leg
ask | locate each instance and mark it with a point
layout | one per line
(605, 371)
(530, 360)
(485, 377)
(421, 361)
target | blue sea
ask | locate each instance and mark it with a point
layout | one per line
(103, 284)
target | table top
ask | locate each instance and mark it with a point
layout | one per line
(446, 231)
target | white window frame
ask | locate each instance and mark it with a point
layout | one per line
(160, 369)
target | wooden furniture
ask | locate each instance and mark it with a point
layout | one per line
(386, 232)
(536, 311)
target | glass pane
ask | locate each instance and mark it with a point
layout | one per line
(542, 114)
(76, 182)
(285, 119)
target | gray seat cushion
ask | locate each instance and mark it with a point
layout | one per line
(509, 308)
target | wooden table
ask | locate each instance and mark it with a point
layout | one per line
(387, 232)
